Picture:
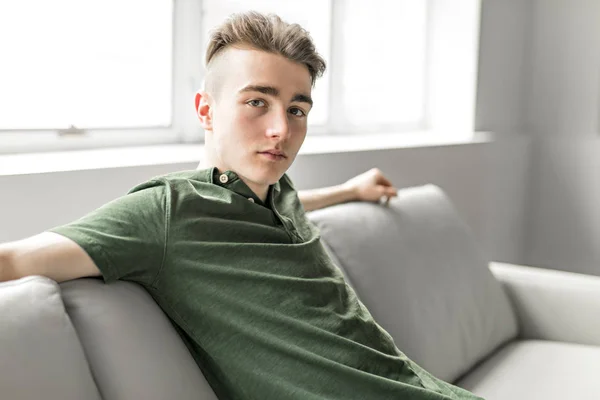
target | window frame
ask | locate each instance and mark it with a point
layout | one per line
(186, 78)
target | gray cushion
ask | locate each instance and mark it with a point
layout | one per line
(133, 349)
(525, 370)
(417, 268)
(40, 354)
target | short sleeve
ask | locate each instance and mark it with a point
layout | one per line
(126, 237)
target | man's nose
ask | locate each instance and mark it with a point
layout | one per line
(279, 125)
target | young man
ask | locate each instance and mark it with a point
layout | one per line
(227, 251)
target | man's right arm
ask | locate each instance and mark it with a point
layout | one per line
(47, 254)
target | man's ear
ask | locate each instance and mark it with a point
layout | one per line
(204, 109)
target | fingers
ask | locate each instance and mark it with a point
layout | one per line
(380, 179)
(388, 193)
(376, 187)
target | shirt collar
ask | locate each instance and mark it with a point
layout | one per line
(231, 181)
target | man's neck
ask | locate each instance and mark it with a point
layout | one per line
(259, 190)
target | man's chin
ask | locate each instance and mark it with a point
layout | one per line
(269, 178)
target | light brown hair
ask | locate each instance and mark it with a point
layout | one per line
(269, 33)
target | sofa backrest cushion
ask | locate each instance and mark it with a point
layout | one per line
(40, 354)
(133, 349)
(418, 269)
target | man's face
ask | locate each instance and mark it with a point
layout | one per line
(258, 114)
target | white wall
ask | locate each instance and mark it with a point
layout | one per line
(501, 101)
(562, 115)
(487, 182)
(563, 74)
(503, 63)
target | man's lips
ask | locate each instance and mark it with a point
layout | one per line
(274, 153)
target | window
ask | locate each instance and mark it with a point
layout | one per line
(382, 62)
(124, 72)
(89, 64)
(376, 69)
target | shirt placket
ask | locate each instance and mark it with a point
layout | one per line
(287, 224)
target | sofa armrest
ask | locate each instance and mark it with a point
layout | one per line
(552, 305)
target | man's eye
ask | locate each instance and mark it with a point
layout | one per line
(256, 103)
(297, 112)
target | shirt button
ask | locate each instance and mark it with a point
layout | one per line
(223, 178)
(250, 199)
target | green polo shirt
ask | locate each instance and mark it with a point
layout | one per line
(252, 291)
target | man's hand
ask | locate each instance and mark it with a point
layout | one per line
(371, 186)
(368, 186)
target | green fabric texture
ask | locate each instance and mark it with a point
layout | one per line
(251, 290)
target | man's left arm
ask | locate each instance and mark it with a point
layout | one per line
(369, 186)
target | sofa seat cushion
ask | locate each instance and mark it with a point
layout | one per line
(420, 272)
(40, 354)
(536, 369)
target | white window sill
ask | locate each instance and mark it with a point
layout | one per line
(37, 163)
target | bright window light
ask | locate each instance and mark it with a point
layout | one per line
(91, 64)
(383, 62)
(125, 71)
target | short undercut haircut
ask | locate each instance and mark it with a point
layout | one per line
(269, 33)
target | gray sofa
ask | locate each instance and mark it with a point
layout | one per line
(505, 332)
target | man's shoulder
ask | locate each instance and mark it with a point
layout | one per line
(173, 179)
(200, 175)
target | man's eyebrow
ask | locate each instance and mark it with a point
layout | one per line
(272, 91)
(302, 98)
